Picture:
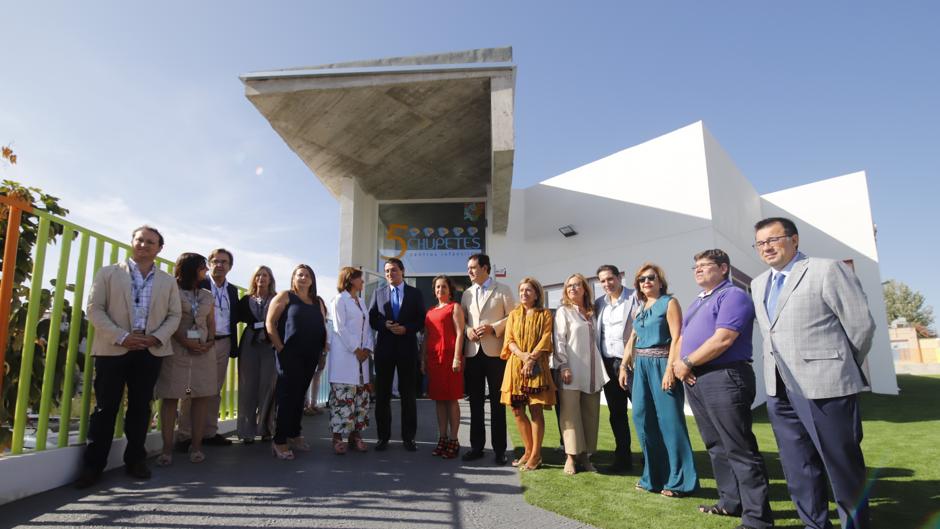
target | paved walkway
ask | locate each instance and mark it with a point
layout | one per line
(243, 486)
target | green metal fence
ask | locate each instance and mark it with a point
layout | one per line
(102, 250)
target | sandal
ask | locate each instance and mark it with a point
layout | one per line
(520, 461)
(641, 489)
(197, 456)
(570, 468)
(441, 446)
(285, 455)
(356, 443)
(339, 447)
(452, 449)
(673, 493)
(715, 509)
(530, 466)
(164, 460)
(298, 443)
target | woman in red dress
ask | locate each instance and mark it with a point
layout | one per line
(443, 351)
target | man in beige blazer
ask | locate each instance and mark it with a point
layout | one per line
(135, 309)
(487, 304)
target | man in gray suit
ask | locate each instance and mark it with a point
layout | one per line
(816, 329)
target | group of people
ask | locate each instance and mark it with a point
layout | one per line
(634, 345)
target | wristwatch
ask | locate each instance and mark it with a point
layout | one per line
(688, 362)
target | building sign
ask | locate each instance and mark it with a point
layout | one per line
(431, 238)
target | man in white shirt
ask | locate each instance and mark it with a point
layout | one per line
(614, 313)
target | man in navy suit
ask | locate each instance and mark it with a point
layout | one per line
(397, 314)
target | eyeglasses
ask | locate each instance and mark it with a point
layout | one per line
(573, 285)
(769, 240)
(703, 266)
(644, 279)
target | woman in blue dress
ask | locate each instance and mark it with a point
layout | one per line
(658, 398)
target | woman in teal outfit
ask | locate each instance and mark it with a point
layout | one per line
(658, 398)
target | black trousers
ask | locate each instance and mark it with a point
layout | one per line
(617, 399)
(295, 371)
(385, 367)
(138, 370)
(721, 403)
(820, 446)
(483, 371)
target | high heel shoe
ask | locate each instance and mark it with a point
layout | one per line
(298, 443)
(286, 455)
(531, 465)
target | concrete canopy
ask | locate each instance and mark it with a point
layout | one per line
(425, 127)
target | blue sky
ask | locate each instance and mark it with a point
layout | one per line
(134, 112)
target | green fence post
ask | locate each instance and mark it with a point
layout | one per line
(75, 336)
(89, 364)
(52, 343)
(29, 338)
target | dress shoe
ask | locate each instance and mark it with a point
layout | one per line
(472, 455)
(382, 445)
(500, 459)
(618, 467)
(87, 478)
(410, 445)
(137, 470)
(216, 440)
(182, 446)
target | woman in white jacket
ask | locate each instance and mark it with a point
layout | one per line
(349, 364)
(581, 371)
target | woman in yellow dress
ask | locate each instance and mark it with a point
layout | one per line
(527, 380)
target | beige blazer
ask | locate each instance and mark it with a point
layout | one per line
(492, 309)
(111, 310)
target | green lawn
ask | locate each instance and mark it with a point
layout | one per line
(902, 435)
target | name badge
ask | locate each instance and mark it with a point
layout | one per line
(193, 334)
(259, 325)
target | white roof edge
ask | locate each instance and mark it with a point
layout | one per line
(373, 70)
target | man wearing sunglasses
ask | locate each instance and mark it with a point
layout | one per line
(817, 330)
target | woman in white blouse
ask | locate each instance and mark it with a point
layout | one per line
(582, 373)
(349, 364)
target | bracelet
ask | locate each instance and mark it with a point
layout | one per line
(688, 362)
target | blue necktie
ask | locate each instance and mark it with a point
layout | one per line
(775, 287)
(396, 303)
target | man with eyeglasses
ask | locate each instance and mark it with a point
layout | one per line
(817, 330)
(225, 298)
(715, 364)
(614, 312)
(135, 308)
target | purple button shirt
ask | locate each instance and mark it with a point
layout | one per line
(727, 307)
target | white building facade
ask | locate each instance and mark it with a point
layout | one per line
(397, 142)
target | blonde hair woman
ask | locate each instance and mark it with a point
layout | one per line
(582, 373)
(527, 381)
(256, 373)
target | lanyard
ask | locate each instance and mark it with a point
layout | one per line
(139, 287)
(194, 304)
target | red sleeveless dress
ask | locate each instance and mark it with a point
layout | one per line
(440, 336)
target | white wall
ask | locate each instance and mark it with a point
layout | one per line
(666, 173)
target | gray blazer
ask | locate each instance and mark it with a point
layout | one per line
(821, 332)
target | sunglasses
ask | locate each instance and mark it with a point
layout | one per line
(643, 279)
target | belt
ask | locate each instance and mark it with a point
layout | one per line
(708, 368)
(653, 352)
(218, 336)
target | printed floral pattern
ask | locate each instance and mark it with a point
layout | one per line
(349, 408)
